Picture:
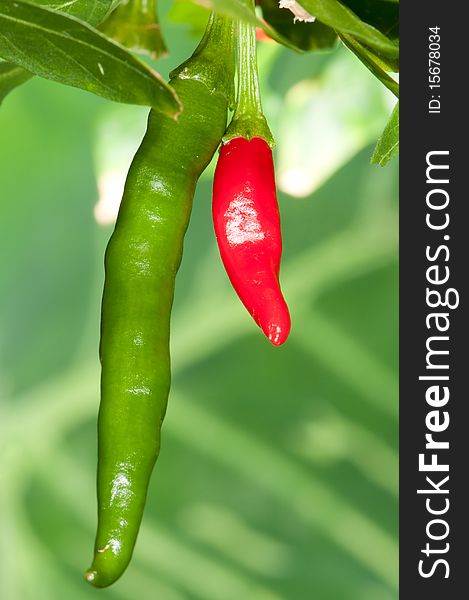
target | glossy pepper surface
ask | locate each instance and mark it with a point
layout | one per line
(247, 227)
(142, 260)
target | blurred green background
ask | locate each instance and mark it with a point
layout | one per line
(277, 478)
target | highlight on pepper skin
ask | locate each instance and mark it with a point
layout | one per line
(107, 568)
(120, 511)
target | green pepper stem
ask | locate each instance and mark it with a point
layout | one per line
(212, 60)
(248, 119)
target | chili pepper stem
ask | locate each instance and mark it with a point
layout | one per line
(208, 62)
(248, 120)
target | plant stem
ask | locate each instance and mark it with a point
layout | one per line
(208, 63)
(248, 119)
(249, 98)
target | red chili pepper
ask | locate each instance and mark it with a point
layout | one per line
(247, 227)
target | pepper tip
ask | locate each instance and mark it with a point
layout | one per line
(278, 334)
(90, 577)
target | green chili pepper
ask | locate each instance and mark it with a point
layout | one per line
(142, 259)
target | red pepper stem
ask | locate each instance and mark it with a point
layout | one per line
(248, 120)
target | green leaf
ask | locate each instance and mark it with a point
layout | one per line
(382, 14)
(66, 50)
(305, 36)
(91, 11)
(388, 144)
(11, 76)
(339, 17)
